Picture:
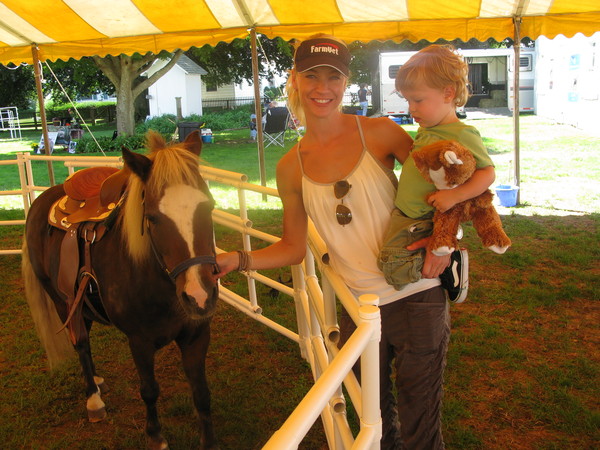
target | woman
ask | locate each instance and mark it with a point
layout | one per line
(341, 175)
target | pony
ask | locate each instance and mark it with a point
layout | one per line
(152, 276)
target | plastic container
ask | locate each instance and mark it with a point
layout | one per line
(507, 194)
(186, 128)
(207, 136)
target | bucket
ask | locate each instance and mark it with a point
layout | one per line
(507, 194)
(207, 136)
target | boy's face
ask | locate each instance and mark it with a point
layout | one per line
(431, 106)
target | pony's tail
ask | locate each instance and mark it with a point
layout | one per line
(57, 345)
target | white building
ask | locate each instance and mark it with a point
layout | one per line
(179, 89)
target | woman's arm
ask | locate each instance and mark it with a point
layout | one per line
(291, 248)
(387, 140)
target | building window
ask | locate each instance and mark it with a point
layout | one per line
(211, 87)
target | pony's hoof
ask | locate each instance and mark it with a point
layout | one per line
(96, 408)
(157, 443)
(96, 415)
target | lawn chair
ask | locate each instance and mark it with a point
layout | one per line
(275, 126)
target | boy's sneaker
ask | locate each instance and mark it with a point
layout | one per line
(455, 279)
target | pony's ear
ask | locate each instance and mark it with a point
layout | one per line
(138, 164)
(193, 142)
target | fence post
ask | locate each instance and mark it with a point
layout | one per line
(369, 365)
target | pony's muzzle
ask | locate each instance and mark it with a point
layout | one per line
(200, 288)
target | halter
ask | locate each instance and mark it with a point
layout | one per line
(182, 266)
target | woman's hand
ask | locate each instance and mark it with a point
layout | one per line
(227, 262)
(433, 265)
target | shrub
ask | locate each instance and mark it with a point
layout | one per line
(228, 119)
(87, 144)
(165, 125)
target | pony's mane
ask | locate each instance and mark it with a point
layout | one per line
(171, 164)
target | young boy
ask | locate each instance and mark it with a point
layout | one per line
(435, 82)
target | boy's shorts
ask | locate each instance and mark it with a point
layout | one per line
(399, 265)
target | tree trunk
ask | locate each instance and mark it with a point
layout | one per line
(125, 105)
(124, 72)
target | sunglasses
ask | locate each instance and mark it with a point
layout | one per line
(342, 212)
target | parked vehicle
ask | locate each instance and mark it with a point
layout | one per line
(488, 68)
(527, 63)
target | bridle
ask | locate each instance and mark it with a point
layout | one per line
(182, 266)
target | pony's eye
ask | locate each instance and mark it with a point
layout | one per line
(152, 219)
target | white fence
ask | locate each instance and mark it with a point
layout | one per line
(9, 121)
(318, 330)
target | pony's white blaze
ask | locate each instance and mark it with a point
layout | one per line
(179, 203)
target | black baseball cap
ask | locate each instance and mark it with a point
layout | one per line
(322, 52)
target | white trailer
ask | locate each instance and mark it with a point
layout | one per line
(527, 68)
(497, 72)
(391, 102)
(568, 80)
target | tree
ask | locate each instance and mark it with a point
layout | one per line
(231, 62)
(17, 86)
(125, 72)
(78, 78)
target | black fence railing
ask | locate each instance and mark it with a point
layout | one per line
(229, 103)
(350, 99)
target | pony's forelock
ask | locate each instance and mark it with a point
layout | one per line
(171, 165)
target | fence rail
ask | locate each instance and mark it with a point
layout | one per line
(316, 313)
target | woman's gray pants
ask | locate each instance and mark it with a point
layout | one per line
(414, 340)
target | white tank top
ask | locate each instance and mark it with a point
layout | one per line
(354, 248)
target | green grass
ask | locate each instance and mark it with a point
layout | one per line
(523, 364)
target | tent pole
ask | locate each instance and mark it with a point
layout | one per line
(258, 111)
(516, 105)
(40, 94)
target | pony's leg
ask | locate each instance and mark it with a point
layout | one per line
(95, 406)
(143, 355)
(193, 355)
(100, 382)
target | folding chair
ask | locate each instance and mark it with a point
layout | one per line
(275, 126)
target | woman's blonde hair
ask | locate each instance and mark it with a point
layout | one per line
(439, 67)
(293, 99)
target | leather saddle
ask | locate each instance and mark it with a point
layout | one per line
(91, 195)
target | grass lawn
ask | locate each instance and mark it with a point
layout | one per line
(523, 364)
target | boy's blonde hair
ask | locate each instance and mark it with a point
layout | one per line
(293, 99)
(438, 67)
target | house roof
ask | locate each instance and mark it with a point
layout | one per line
(189, 66)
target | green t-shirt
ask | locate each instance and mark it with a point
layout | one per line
(412, 187)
